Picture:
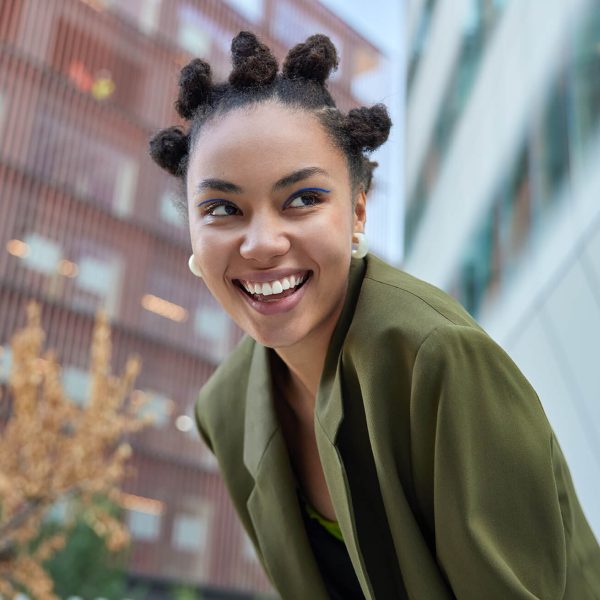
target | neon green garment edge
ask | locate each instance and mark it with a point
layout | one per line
(332, 527)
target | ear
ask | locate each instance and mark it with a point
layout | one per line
(359, 218)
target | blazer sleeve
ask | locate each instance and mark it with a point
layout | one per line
(482, 458)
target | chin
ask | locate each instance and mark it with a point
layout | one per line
(275, 339)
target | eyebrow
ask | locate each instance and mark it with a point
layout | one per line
(218, 184)
(297, 176)
(231, 188)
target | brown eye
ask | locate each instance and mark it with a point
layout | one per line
(222, 209)
(303, 200)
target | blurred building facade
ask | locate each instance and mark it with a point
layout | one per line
(502, 188)
(87, 221)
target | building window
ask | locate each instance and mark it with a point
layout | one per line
(482, 19)
(93, 168)
(143, 525)
(291, 25)
(103, 70)
(192, 35)
(369, 75)
(43, 255)
(101, 277)
(168, 211)
(516, 207)
(253, 10)
(197, 33)
(76, 383)
(213, 325)
(157, 407)
(143, 13)
(584, 73)
(420, 43)
(125, 186)
(555, 147)
(190, 532)
(5, 363)
(3, 109)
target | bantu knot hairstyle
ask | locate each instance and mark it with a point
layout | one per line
(253, 63)
(254, 78)
(169, 149)
(194, 88)
(368, 128)
(313, 59)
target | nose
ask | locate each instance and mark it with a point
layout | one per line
(265, 238)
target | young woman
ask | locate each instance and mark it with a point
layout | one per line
(375, 441)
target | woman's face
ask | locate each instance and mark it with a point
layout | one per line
(271, 221)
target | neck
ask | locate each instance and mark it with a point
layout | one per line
(302, 367)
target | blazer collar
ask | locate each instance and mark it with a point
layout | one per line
(329, 409)
(273, 504)
(260, 419)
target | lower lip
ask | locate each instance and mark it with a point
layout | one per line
(275, 307)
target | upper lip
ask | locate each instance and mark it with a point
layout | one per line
(266, 276)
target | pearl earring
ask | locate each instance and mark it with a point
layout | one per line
(193, 267)
(361, 247)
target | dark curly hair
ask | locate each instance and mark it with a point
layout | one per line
(254, 79)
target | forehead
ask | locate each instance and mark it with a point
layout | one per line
(262, 139)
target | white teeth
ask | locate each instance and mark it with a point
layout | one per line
(276, 286)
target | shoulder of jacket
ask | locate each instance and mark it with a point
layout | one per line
(450, 343)
(392, 281)
(391, 300)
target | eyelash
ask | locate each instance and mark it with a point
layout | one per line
(315, 198)
(210, 206)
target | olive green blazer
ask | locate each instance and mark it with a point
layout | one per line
(446, 478)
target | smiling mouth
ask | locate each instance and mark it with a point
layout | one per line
(275, 290)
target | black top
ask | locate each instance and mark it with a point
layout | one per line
(333, 559)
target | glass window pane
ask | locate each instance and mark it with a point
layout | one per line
(190, 532)
(143, 525)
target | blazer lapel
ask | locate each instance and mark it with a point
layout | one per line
(328, 423)
(329, 415)
(273, 503)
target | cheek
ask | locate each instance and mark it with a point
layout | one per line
(212, 254)
(331, 242)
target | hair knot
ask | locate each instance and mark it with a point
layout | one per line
(253, 63)
(169, 149)
(313, 59)
(194, 87)
(367, 128)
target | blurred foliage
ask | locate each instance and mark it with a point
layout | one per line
(184, 592)
(85, 566)
(53, 450)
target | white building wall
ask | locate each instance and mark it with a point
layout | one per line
(548, 316)
(549, 321)
(436, 65)
(507, 90)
